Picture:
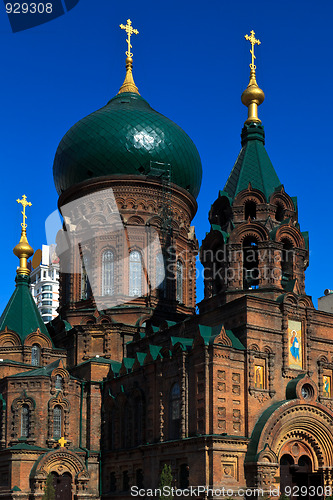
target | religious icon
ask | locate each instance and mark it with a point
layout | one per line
(259, 377)
(326, 386)
(295, 344)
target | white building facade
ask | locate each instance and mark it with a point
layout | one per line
(45, 283)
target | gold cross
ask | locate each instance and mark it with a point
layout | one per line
(253, 42)
(62, 441)
(129, 30)
(24, 204)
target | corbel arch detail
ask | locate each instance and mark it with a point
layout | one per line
(9, 338)
(39, 338)
(250, 229)
(249, 194)
(292, 234)
(282, 198)
(135, 220)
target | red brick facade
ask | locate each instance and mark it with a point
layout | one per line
(130, 378)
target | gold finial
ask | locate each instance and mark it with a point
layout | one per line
(129, 30)
(129, 85)
(252, 96)
(23, 250)
(251, 38)
(24, 204)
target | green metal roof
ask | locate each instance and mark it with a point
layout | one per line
(154, 350)
(39, 372)
(252, 165)
(104, 361)
(21, 314)
(185, 342)
(25, 446)
(140, 356)
(252, 450)
(126, 137)
(209, 333)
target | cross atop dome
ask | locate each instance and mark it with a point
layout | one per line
(23, 250)
(130, 31)
(252, 96)
(251, 38)
(129, 85)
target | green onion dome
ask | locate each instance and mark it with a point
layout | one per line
(126, 137)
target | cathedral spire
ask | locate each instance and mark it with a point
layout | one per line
(252, 96)
(129, 85)
(23, 250)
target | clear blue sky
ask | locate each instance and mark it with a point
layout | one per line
(191, 64)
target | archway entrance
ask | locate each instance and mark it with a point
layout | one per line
(297, 479)
(62, 485)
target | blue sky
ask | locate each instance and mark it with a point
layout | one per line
(191, 64)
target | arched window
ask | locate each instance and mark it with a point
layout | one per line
(85, 284)
(138, 412)
(287, 261)
(58, 382)
(174, 417)
(279, 214)
(286, 463)
(57, 414)
(128, 426)
(139, 478)
(108, 273)
(25, 421)
(113, 482)
(250, 263)
(184, 475)
(250, 210)
(135, 274)
(179, 281)
(160, 275)
(35, 355)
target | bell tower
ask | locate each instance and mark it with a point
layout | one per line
(127, 179)
(255, 245)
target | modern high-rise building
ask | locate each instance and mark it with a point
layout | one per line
(45, 283)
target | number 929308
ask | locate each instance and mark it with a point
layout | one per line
(29, 8)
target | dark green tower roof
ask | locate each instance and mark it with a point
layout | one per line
(253, 164)
(21, 314)
(126, 137)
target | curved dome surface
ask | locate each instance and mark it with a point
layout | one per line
(126, 137)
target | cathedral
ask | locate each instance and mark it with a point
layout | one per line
(235, 397)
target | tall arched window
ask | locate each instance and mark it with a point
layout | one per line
(287, 261)
(58, 382)
(108, 273)
(85, 284)
(174, 416)
(279, 214)
(57, 414)
(138, 412)
(179, 281)
(250, 210)
(250, 263)
(160, 275)
(35, 355)
(25, 421)
(135, 274)
(127, 437)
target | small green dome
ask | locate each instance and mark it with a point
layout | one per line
(126, 137)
